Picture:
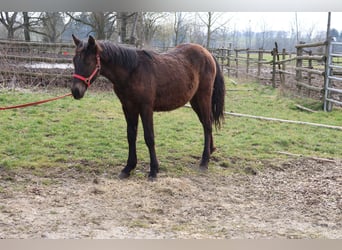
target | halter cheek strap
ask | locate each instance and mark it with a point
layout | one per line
(87, 80)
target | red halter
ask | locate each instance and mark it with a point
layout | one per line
(87, 81)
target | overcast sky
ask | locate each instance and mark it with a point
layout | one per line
(284, 20)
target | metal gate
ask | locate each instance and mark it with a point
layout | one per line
(333, 75)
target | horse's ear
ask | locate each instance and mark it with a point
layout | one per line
(91, 41)
(76, 40)
(93, 44)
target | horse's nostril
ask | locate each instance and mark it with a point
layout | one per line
(76, 94)
(78, 89)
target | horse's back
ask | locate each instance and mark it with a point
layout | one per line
(200, 58)
(177, 76)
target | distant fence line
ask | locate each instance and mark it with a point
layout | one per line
(243, 62)
(314, 70)
(20, 61)
(305, 72)
(10, 46)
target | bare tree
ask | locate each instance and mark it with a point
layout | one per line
(50, 25)
(235, 37)
(150, 25)
(248, 35)
(210, 19)
(310, 31)
(180, 27)
(296, 28)
(263, 35)
(134, 37)
(10, 20)
(26, 26)
(126, 21)
(101, 23)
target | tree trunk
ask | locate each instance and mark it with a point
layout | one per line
(133, 38)
(99, 25)
(10, 33)
(26, 27)
(123, 28)
(209, 29)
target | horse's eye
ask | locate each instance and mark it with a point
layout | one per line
(78, 56)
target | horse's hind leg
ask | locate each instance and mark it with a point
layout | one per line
(203, 110)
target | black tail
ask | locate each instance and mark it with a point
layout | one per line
(217, 99)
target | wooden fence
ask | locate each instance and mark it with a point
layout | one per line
(21, 63)
(316, 73)
(242, 63)
(35, 47)
(268, 65)
(37, 64)
(301, 73)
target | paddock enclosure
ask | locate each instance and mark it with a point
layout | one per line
(267, 179)
(311, 70)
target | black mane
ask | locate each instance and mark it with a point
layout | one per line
(123, 56)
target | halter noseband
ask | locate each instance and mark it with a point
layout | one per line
(87, 80)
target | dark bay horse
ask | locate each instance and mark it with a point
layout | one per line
(147, 81)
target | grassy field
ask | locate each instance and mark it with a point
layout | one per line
(90, 134)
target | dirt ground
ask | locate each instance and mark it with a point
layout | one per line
(299, 198)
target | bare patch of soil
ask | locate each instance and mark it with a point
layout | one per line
(300, 198)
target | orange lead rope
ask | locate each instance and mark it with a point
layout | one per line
(87, 81)
(34, 103)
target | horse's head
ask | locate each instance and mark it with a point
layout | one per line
(87, 65)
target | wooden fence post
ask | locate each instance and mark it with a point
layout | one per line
(247, 62)
(283, 67)
(327, 105)
(229, 52)
(237, 63)
(299, 64)
(274, 54)
(260, 57)
(309, 73)
(222, 58)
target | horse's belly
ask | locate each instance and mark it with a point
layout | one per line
(168, 106)
(174, 97)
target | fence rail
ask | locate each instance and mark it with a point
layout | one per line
(307, 72)
(21, 63)
(302, 73)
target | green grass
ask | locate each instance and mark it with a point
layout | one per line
(90, 134)
(266, 137)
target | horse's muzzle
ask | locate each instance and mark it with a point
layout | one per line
(78, 90)
(76, 94)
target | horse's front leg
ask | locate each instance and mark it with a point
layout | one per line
(132, 129)
(147, 120)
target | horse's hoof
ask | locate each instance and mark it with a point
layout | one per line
(152, 177)
(203, 168)
(123, 175)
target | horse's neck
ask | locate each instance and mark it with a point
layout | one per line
(115, 73)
